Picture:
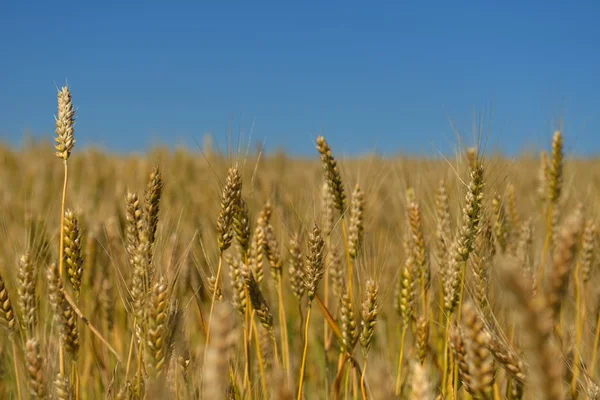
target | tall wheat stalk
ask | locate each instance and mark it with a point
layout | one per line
(370, 310)
(554, 179)
(314, 273)
(65, 141)
(230, 203)
(405, 304)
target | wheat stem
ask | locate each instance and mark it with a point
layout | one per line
(276, 352)
(303, 366)
(329, 318)
(349, 261)
(75, 378)
(326, 336)
(363, 388)
(62, 220)
(285, 347)
(139, 370)
(214, 297)
(400, 359)
(61, 253)
(446, 364)
(594, 360)
(248, 320)
(259, 355)
(130, 353)
(88, 323)
(17, 379)
(346, 383)
(463, 276)
(547, 239)
(579, 318)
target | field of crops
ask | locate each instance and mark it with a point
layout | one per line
(187, 274)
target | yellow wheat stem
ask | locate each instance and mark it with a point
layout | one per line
(17, 380)
(424, 299)
(400, 359)
(455, 382)
(304, 351)
(62, 221)
(87, 323)
(338, 377)
(130, 354)
(442, 342)
(139, 371)
(341, 364)
(463, 276)
(580, 315)
(75, 378)
(355, 384)
(285, 347)
(176, 376)
(349, 261)
(330, 320)
(72, 372)
(594, 360)
(546, 247)
(214, 298)
(446, 363)
(232, 372)
(497, 394)
(259, 356)
(61, 255)
(276, 352)
(326, 341)
(363, 388)
(346, 383)
(248, 317)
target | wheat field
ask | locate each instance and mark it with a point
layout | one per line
(202, 275)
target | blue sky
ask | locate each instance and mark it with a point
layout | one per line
(384, 76)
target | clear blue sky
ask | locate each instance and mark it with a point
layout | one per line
(371, 76)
